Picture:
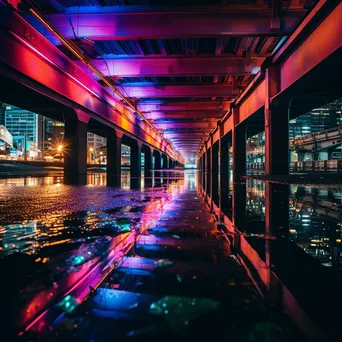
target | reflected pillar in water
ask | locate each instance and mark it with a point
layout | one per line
(239, 206)
(276, 229)
(214, 172)
(276, 127)
(208, 170)
(224, 173)
(277, 209)
(239, 147)
(75, 149)
(114, 158)
(136, 164)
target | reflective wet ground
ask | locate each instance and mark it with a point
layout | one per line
(95, 263)
(175, 276)
(303, 244)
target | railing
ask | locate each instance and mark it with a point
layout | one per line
(317, 166)
(307, 166)
(256, 166)
(256, 150)
(326, 135)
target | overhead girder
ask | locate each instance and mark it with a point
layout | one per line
(171, 24)
(184, 115)
(186, 125)
(307, 61)
(179, 91)
(175, 66)
(35, 64)
(161, 106)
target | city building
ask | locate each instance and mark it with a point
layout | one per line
(26, 129)
(319, 119)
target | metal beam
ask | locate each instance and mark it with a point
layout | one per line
(184, 115)
(175, 66)
(164, 106)
(65, 84)
(186, 125)
(179, 91)
(156, 25)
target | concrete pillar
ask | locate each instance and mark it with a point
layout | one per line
(276, 127)
(157, 160)
(164, 161)
(208, 171)
(136, 164)
(114, 158)
(239, 147)
(224, 174)
(75, 154)
(214, 173)
(148, 155)
(170, 163)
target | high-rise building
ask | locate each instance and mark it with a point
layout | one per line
(24, 126)
(317, 120)
(95, 141)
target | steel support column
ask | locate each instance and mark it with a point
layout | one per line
(164, 161)
(214, 173)
(239, 147)
(157, 160)
(113, 158)
(224, 173)
(75, 155)
(136, 164)
(208, 171)
(276, 127)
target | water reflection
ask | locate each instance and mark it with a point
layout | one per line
(65, 237)
(315, 216)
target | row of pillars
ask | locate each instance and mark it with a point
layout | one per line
(75, 156)
(214, 162)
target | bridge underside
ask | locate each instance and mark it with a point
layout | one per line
(176, 79)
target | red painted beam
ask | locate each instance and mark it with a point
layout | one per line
(184, 115)
(47, 70)
(156, 25)
(177, 66)
(179, 91)
(323, 42)
(186, 125)
(185, 106)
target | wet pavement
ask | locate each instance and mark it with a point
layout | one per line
(94, 263)
(180, 281)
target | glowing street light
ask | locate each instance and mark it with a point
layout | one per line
(60, 148)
